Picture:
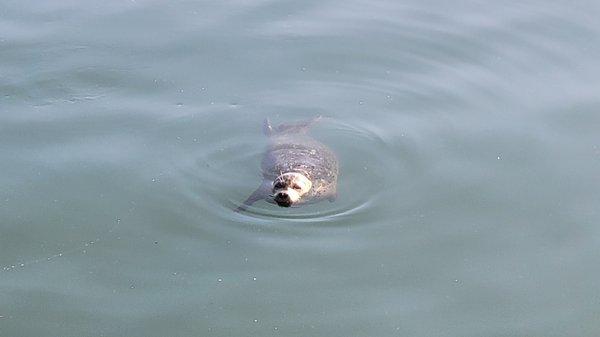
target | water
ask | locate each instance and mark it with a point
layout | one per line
(467, 134)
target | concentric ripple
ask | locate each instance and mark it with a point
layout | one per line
(226, 171)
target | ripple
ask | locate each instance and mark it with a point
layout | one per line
(226, 170)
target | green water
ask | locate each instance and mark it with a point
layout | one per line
(469, 147)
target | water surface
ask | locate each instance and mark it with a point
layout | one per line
(467, 135)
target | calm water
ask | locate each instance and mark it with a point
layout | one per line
(468, 135)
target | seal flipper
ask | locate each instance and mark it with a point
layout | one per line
(267, 128)
(262, 192)
(332, 197)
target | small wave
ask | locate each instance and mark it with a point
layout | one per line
(225, 171)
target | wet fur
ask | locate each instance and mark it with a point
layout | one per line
(292, 150)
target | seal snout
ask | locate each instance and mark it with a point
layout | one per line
(288, 188)
(283, 199)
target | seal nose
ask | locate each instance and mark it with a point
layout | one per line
(283, 199)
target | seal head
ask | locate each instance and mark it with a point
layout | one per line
(288, 188)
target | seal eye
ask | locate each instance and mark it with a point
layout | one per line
(278, 185)
(296, 187)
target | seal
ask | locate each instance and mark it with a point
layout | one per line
(296, 168)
